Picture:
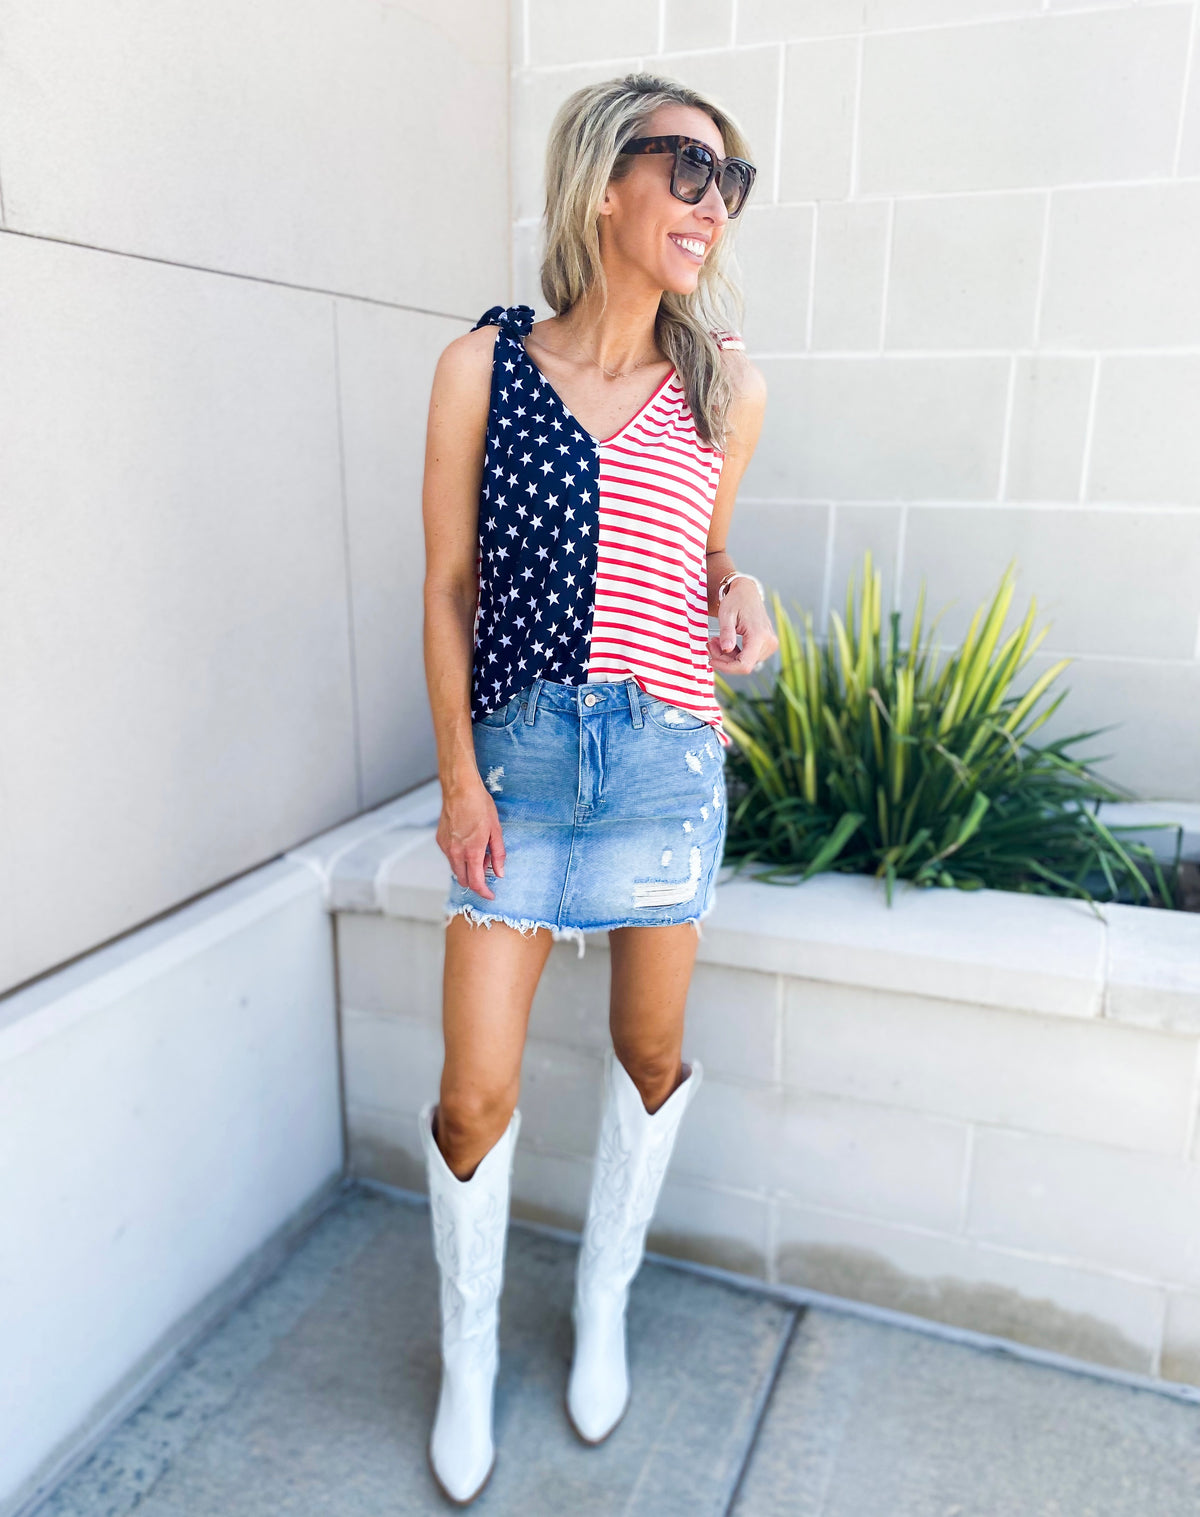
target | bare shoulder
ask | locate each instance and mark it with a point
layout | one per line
(468, 356)
(748, 395)
(749, 383)
(462, 380)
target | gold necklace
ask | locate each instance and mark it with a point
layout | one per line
(612, 373)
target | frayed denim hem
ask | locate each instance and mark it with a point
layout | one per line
(526, 926)
(708, 910)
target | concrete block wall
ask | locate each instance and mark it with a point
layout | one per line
(233, 241)
(976, 1109)
(969, 268)
(981, 1108)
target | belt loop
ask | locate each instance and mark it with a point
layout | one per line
(635, 706)
(534, 691)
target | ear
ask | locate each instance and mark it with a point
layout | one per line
(612, 194)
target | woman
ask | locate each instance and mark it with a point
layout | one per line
(579, 481)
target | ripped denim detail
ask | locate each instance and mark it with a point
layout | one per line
(670, 892)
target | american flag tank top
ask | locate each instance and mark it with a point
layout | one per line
(591, 552)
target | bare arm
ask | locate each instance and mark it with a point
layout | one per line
(742, 611)
(454, 453)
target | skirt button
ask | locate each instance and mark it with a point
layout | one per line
(589, 699)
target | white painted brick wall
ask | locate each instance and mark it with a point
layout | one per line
(969, 268)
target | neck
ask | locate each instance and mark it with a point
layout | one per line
(620, 333)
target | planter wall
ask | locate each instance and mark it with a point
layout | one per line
(978, 1108)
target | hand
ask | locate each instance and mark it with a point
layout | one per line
(742, 613)
(468, 829)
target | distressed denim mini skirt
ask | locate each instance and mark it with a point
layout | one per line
(612, 807)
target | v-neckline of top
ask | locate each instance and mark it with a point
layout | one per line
(599, 442)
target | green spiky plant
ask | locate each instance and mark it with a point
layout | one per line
(868, 759)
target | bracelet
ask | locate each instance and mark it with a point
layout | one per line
(723, 587)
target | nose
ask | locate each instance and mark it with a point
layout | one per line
(711, 207)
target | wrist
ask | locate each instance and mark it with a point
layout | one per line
(735, 576)
(460, 785)
(458, 769)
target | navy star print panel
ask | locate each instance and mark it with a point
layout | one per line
(591, 551)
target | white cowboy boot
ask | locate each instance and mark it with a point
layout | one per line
(631, 1160)
(470, 1228)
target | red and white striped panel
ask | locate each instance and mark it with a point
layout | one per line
(658, 482)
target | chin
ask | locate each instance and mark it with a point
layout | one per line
(685, 284)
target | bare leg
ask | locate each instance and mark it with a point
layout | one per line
(488, 985)
(651, 972)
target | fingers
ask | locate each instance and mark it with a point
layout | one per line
(756, 648)
(726, 663)
(477, 877)
(759, 648)
(748, 620)
(496, 848)
(473, 851)
(469, 871)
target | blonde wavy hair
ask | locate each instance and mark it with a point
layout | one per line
(581, 160)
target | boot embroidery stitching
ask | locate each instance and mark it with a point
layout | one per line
(469, 1267)
(624, 1196)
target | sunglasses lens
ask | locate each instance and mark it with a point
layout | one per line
(693, 173)
(735, 186)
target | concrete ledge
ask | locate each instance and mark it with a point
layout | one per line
(986, 947)
(349, 860)
(1152, 977)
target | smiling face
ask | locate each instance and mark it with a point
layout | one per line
(644, 230)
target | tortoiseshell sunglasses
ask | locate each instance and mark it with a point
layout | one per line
(695, 167)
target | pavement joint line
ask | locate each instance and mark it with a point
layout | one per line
(766, 1392)
(799, 1295)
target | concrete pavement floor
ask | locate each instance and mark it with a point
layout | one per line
(316, 1396)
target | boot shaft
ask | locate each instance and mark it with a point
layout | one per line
(632, 1155)
(469, 1220)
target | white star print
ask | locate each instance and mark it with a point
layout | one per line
(550, 567)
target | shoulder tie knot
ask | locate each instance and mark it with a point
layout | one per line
(518, 319)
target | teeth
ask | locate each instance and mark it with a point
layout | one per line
(692, 244)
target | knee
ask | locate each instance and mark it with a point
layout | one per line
(655, 1071)
(470, 1121)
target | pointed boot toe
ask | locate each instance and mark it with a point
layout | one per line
(461, 1452)
(458, 1483)
(598, 1388)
